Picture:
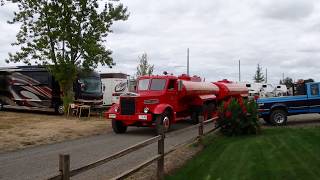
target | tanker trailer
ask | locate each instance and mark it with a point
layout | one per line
(163, 100)
(228, 89)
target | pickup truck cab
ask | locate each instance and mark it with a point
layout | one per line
(275, 110)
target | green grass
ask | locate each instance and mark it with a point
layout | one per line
(280, 153)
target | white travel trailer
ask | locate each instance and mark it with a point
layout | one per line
(113, 85)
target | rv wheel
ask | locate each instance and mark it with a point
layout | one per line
(59, 109)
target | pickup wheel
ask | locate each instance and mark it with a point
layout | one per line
(163, 121)
(118, 127)
(278, 117)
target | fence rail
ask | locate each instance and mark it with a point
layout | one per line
(64, 159)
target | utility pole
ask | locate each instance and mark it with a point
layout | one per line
(282, 77)
(266, 75)
(188, 61)
(239, 71)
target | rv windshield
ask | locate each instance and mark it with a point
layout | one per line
(90, 85)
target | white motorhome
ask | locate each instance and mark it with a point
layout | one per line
(113, 85)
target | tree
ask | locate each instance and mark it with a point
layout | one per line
(144, 68)
(65, 35)
(258, 77)
(287, 81)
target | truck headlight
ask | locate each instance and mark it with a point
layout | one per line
(116, 109)
(146, 110)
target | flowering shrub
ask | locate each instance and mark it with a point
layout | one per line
(238, 117)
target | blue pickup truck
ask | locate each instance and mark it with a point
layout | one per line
(275, 110)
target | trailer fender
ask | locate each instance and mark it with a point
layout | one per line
(159, 109)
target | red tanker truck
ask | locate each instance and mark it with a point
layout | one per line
(167, 99)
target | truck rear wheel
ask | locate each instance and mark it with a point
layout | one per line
(278, 117)
(163, 121)
(118, 127)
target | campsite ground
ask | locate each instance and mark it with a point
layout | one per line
(19, 130)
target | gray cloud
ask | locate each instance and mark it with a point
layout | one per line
(287, 9)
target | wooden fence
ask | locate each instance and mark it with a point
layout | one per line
(64, 159)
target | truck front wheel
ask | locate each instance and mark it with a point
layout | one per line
(278, 117)
(163, 121)
(118, 127)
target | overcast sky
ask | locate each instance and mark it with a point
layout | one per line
(281, 35)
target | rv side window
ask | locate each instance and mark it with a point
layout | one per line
(248, 85)
(264, 86)
(278, 87)
(37, 78)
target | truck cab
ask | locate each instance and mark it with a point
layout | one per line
(306, 100)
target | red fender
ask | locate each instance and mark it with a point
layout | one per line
(159, 109)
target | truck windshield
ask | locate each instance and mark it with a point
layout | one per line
(90, 85)
(157, 84)
(143, 84)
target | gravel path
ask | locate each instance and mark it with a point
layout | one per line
(42, 162)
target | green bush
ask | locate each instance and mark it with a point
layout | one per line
(238, 117)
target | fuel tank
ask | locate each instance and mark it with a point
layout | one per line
(199, 88)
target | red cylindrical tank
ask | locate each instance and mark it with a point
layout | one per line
(199, 88)
(230, 89)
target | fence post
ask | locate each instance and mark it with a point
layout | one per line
(201, 118)
(64, 166)
(160, 169)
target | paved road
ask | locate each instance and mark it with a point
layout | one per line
(42, 162)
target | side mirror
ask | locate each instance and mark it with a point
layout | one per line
(180, 85)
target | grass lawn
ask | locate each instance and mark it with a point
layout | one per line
(279, 153)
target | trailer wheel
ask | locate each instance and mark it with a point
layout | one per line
(118, 127)
(163, 120)
(278, 117)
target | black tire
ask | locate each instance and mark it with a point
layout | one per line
(267, 120)
(59, 109)
(163, 121)
(204, 110)
(1, 106)
(278, 117)
(118, 127)
(195, 117)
